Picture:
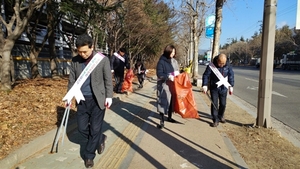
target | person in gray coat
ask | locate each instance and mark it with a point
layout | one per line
(97, 91)
(166, 70)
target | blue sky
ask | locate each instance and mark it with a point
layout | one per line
(244, 17)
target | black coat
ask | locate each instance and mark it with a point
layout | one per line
(118, 66)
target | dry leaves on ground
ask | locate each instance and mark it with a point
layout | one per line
(31, 109)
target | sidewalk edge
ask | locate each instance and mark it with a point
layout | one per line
(34, 146)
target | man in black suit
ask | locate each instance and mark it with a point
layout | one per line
(119, 61)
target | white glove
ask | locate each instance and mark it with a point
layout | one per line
(204, 88)
(176, 73)
(108, 102)
(230, 90)
(112, 71)
(171, 77)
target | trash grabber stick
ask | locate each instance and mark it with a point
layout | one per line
(212, 101)
(66, 124)
(61, 125)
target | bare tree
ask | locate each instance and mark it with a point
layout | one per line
(193, 17)
(22, 12)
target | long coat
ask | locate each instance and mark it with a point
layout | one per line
(118, 66)
(164, 68)
(101, 78)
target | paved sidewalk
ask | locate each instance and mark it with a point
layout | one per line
(135, 142)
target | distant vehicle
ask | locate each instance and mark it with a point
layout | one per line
(275, 63)
(257, 64)
(290, 60)
(206, 63)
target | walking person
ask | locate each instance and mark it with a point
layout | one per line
(119, 61)
(166, 70)
(220, 76)
(140, 71)
(97, 91)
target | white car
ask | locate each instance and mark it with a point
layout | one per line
(206, 63)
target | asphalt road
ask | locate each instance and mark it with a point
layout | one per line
(285, 92)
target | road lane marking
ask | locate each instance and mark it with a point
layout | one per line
(273, 92)
(252, 88)
(252, 80)
(278, 94)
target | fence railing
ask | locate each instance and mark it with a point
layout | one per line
(23, 65)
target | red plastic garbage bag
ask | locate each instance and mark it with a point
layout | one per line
(185, 104)
(127, 84)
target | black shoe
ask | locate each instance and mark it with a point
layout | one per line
(161, 125)
(89, 163)
(172, 120)
(214, 124)
(223, 120)
(102, 145)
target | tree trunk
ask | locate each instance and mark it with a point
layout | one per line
(217, 32)
(34, 67)
(5, 68)
(196, 42)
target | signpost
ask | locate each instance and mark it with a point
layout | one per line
(210, 26)
(209, 32)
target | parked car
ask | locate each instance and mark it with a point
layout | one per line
(206, 63)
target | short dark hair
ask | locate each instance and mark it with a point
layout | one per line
(168, 50)
(122, 50)
(83, 40)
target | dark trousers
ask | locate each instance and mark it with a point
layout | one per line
(170, 111)
(119, 79)
(219, 100)
(141, 78)
(89, 120)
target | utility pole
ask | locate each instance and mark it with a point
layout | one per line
(266, 65)
(298, 16)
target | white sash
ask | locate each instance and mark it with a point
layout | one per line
(222, 80)
(120, 57)
(139, 69)
(75, 90)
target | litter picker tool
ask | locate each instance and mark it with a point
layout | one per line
(64, 123)
(211, 101)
